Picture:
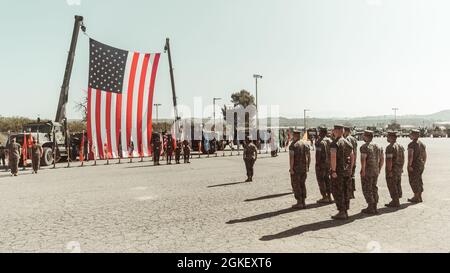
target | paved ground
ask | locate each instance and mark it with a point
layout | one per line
(205, 207)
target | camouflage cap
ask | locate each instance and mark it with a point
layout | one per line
(415, 131)
(338, 126)
(368, 132)
(322, 129)
(347, 128)
(392, 133)
(296, 131)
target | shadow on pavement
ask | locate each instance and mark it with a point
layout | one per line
(272, 214)
(228, 184)
(329, 224)
(268, 197)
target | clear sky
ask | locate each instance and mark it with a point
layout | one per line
(335, 57)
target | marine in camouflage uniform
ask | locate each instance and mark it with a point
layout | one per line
(341, 161)
(14, 153)
(323, 165)
(169, 149)
(372, 160)
(178, 152)
(36, 154)
(354, 142)
(417, 157)
(2, 155)
(250, 156)
(395, 159)
(156, 150)
(186, 151)
(299, 161)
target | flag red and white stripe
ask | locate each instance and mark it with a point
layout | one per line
(116, 119)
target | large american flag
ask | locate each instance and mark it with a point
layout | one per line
(120, 100)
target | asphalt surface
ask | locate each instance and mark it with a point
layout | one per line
(206, 207)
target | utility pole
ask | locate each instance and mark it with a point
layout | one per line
(304, 118)
(395, 114)
(64, 94)
(256, 76)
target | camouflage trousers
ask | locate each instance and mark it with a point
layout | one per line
(323, 179)
(186, 156)
(249, 163)
(299, 186)
(370, 189)
(415, 180)
(353, 178)
(156, 155)
(14, 165)
(36, 162)
(341, 187)
(395, 186)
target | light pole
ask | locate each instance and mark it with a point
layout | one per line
(256, 76)
(395, 114)
(214, 113)
(157, 105)
(304, 118)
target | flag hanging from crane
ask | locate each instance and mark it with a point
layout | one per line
(120, 100)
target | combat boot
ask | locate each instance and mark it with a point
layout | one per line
(248, 179)
(374, 208)
(415, 199)
(371, 209)
(395, 203)
(342, 215)
(299, 205)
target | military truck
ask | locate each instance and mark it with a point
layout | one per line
(43, 133)
(439, 131)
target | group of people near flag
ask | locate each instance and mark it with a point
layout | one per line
(15, 153)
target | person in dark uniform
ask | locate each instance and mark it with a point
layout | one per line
(354, 142)
(2, 154)
(323, 165)
(417, 157)
(36, 154)
(178, 152)
(372, 160)
(14, 153)
(186, 151)
(169, 149)
(156, 150)
(395, 160)
(250, 156)
(341, 162)
(131, 150)
(299, 161)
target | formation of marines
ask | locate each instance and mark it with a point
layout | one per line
(336, 164)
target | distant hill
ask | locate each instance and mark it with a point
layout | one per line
(379, 121)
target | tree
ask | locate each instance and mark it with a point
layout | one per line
(81, 106)
(76, 126)
(243, 98)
